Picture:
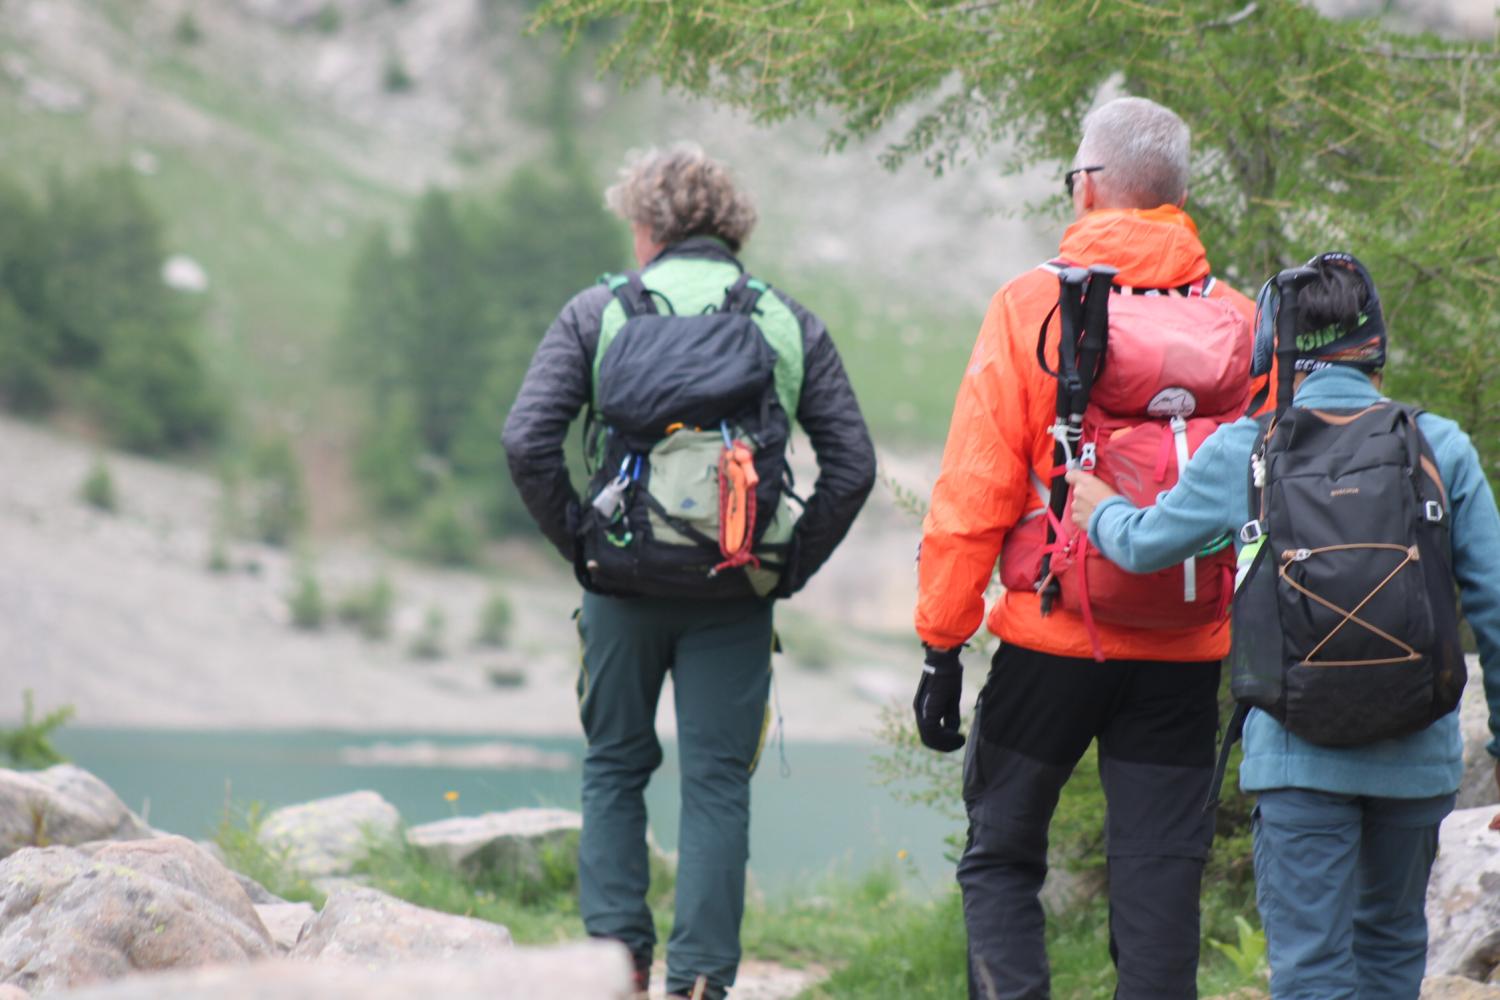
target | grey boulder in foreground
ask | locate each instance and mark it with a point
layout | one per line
(512, 845)
(63, 805)
(1463, 898)
(592, 970)
(68, 917)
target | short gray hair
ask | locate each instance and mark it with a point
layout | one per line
(1143, 148)
(682, 192)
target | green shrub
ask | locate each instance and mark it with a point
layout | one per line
(395, 77)
(389, 459)
(238, 837)
(446, 533)
(328, 19)
(29, 745)
(279, 505)
(306, 600)
(428, 644)
(187, 31)
(368, 609)
(501, 676)
(98, 488)
(218, 555)
(151, 391)
(495, 621)
(536, 910)
(1248, 953)
(25, 371)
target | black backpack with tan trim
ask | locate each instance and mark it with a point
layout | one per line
(1345, 622)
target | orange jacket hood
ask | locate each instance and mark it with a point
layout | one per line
(1152, 247)
(999, 444)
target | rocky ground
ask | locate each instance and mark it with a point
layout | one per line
(119, 615)
(95, 904)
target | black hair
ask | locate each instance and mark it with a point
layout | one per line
(1334, 299)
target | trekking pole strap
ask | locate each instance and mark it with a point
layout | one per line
(1232, 734)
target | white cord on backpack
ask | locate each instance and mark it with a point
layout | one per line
(779, 735)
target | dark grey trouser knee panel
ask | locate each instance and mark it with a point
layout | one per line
(1156, 724)
(1010, 799)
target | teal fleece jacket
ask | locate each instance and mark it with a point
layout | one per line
(1213, 496)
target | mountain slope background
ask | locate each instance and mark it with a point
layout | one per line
(274, 136)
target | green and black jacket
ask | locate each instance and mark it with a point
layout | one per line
(559, 385)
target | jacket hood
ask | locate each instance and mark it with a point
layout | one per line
(1152, 247)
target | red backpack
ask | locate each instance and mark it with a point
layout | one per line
(1175, 366)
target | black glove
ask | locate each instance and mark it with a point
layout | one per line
(937, 699)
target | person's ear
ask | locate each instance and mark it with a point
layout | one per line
(1182, 202)
(1085, 195)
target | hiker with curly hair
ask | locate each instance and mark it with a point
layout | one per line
(691, 373)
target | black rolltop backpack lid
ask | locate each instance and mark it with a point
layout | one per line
(687, 498)
(1345, 619)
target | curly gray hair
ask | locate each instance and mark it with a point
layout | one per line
(682, 192)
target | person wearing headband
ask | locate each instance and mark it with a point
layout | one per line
(1344, 836)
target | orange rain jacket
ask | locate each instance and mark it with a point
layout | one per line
(1001, 431)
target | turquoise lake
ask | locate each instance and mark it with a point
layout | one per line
(827, 813)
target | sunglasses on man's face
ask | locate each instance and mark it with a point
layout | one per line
(1068, 177)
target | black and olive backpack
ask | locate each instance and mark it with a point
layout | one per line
(697, 365)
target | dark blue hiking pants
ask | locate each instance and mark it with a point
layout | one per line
(1341, 884)
(1156, 724)
(719, 656)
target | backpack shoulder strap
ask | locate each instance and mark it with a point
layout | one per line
(1259, 465)
(744, 295)
(1425, 474)
(631, 293)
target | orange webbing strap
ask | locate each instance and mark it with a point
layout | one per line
(737, 482)
(1287, 560)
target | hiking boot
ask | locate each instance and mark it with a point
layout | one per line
(701, 991)
(641, 973)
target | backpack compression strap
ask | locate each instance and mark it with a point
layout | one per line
(1199, 289)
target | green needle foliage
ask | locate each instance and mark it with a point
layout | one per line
(29, 745)
(1310, 134)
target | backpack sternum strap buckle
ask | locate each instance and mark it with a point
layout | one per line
(1252, 532)
(1432, 511)
(1088, 457)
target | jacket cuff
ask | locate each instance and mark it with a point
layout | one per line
(1105, 505)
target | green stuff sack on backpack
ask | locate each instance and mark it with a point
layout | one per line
(695, 378)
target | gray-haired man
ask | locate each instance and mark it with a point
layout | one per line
(1152, 702)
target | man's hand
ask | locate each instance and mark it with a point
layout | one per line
(1089, 492)
(937, 700)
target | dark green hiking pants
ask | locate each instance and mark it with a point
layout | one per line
(719, 655)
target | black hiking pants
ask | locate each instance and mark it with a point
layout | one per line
(1156, 723)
